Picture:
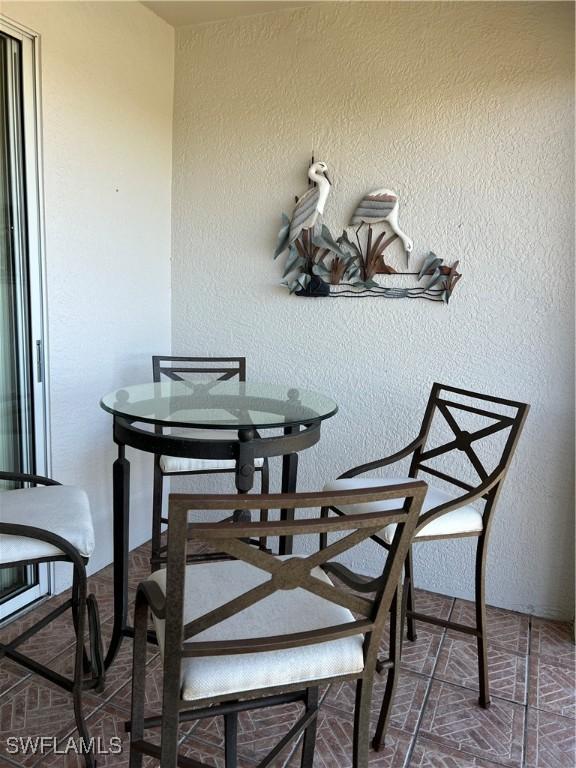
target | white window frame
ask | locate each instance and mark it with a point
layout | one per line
(28, 598)
(33, 222)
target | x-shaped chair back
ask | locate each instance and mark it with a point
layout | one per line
(371, 607)
(188, 368)
(449, 404)
(200, 376)
(201, 373)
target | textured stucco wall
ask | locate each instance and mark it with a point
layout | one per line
(107, 96)
(465, 109)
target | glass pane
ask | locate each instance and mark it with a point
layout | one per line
(15, 393)
(219, 404)
(15, 396)
(12, 580)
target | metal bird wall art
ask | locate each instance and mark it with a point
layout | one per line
(320, 265)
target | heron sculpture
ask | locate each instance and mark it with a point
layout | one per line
(310, 207)
(381, 206)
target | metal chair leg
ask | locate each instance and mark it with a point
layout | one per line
(411, 603)
(157, 498)
(96, 646)
(396, 629)
(309, 740)
(87, 663)
(361, 738)
(484, 683)
(80, 610)
(138, 679)
(231, 740)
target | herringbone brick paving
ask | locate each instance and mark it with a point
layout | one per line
(436, 722)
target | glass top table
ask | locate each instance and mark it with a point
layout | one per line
(218, 405)
(221, 420)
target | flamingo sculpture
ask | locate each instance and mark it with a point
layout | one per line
(379, 206)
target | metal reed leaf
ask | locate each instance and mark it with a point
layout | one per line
(324, 239)
(437, 275)
(430, 262)
(345, 241)
(293, 262)
(282, 241)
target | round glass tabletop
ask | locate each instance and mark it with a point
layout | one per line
(218, 404)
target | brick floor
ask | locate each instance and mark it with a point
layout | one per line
(436, 722)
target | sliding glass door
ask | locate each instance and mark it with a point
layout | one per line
(22, 388)
(16, 414)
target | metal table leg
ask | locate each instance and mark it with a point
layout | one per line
(289, 477)
(121, 513)
(245, 471)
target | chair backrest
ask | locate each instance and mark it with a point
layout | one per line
(369, 600)
(186, 368)
(467, 433)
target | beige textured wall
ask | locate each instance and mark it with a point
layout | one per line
(107, 95)
(466, 110)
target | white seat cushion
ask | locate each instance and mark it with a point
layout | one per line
(465, 519)
(209, 585)
(60, 509)
(170, 464)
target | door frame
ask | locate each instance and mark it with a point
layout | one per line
(32, 220)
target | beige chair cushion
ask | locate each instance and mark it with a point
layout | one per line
(60, 509)
(170, 464)
(209, 585)
(465, 519)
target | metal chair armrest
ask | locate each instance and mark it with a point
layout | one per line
(355, 581)
(149, 592)
(40, 534)
(23, 477)
(392, 459)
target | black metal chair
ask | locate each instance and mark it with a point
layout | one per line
(260, 630)
(446, 515)
(179, 369)
(43, 525)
